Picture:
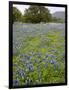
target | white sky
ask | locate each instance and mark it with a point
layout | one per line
(51, 9)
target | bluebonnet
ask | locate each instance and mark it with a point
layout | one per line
(31, 62)
(28, 51)
(45, 65)
(22, 60)
(55, 64)
(22, 54)
(30, 58)
(23, 39)
(38, 54)
(27, 57)
(53, 61)
(22, 74)
(33, 54)
(30, 68)
(28, 81)
(47, 61)
(35, 60)
(16, 81)
(52, 56)
(47, 55)
(27, 64)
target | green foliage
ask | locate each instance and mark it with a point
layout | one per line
(37, 14)
(54, 42)
(16, 14)
(57, 20)
(23, 19)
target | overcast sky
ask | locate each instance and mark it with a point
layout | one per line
(51, 9)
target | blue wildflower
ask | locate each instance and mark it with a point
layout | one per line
(45, 65)
(33, 54)
(53, 61)
(28, 51)
(31, 62)
(47, 55)
(27, 57)
(47, 61)
(22, 60)
(52, 56)
(54, 66)
(35, 60)
(27, 64)
(16, 81)
(22, 74)
(30, 57)
(31, 68)
(28, 81)
(39, 55)
(22, 54)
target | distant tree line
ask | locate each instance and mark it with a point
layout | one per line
(34, 14)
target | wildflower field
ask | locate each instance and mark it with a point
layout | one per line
(38, 53)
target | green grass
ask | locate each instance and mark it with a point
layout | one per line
(47, 43)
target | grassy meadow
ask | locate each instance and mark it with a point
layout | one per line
(38, 53)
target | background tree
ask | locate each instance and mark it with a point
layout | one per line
(16, 15)
(37, 14)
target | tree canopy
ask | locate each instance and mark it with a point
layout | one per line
(16, 14)
(36, 14)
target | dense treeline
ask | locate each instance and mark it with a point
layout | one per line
(34, 14)
(17, 15)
